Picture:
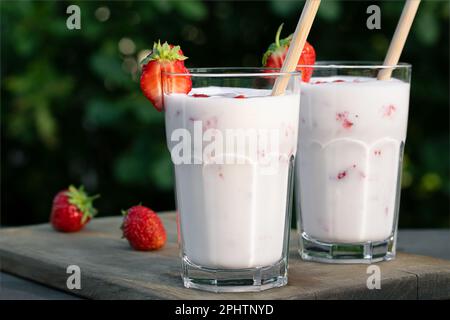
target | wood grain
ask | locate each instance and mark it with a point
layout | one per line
(111, 270)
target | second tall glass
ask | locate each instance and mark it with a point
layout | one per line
(351, 138)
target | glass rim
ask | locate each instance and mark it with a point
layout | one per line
(234, 72)
(352, 64)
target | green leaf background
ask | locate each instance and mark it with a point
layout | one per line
(72, 112)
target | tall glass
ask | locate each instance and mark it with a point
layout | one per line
(233, 147)
(351, 138)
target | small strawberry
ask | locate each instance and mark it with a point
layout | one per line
(164, 58)
(276, 53)
(143, 229)
(72, 209)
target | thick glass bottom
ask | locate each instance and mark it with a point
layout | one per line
(364, 252)
(234, 280)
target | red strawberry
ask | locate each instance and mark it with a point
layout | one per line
(241, 96)
(72, 209)
(164, 58)
(200, 95)
(275, 55)
(143, 229)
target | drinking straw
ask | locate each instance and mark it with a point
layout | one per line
(399, 38)
(297, 43)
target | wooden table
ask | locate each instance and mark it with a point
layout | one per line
(110, 269)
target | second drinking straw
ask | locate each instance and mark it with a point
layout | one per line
(399, 38)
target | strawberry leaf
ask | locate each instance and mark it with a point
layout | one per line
(278, 46)
(164, 52)
(80, 199)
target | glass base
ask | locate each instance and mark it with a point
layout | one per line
(234, 280)
(364, 252)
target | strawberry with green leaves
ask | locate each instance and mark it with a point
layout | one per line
(164, 58)
(72, 209)
(276, 53)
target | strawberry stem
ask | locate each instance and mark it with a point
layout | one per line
(277, 36)
(164, 52)
(82, 201)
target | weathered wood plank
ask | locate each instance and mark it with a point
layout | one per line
(16, 288)
(111, 270)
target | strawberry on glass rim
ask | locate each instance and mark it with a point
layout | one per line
(276, 53)
(164, 58)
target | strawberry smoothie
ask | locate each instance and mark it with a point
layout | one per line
(233, 215)
(351, 137)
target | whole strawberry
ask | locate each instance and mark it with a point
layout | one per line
(72, 209)
(275, 55)
(143, 229)
(164, 58)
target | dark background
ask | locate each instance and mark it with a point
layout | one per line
(72, 111)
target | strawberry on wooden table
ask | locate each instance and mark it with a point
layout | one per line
(143, 229)
(276, 53)
(164, 58)
(72, 209)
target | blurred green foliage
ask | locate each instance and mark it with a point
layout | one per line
(72, 111)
